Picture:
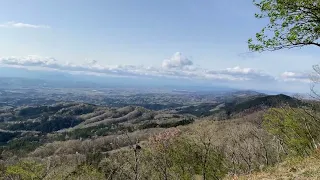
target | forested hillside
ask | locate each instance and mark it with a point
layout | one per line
(212, 141)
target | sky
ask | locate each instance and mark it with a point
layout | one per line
(204, 40)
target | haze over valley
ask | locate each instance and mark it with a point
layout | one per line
(159, 90)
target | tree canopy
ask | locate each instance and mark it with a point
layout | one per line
(292, 23)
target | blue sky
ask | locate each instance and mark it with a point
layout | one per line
(211, 34)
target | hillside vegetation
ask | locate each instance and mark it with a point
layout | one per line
(295, 168)
(25, 128)
(205, 141)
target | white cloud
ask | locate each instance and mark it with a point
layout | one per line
(31, 60)
(177, 61)
(238, 70)
(296, 76)
(178, 67)
(238, 73)
(13, 24)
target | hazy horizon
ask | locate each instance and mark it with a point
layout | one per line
(153, 42)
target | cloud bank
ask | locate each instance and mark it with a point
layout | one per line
(296, 76)
(177, 67)
(13, 24)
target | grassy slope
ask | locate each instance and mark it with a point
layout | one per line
(296, 168)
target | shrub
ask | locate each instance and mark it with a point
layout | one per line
(26, 170)
(297, 129)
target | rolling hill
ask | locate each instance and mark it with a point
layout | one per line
(65, 121)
